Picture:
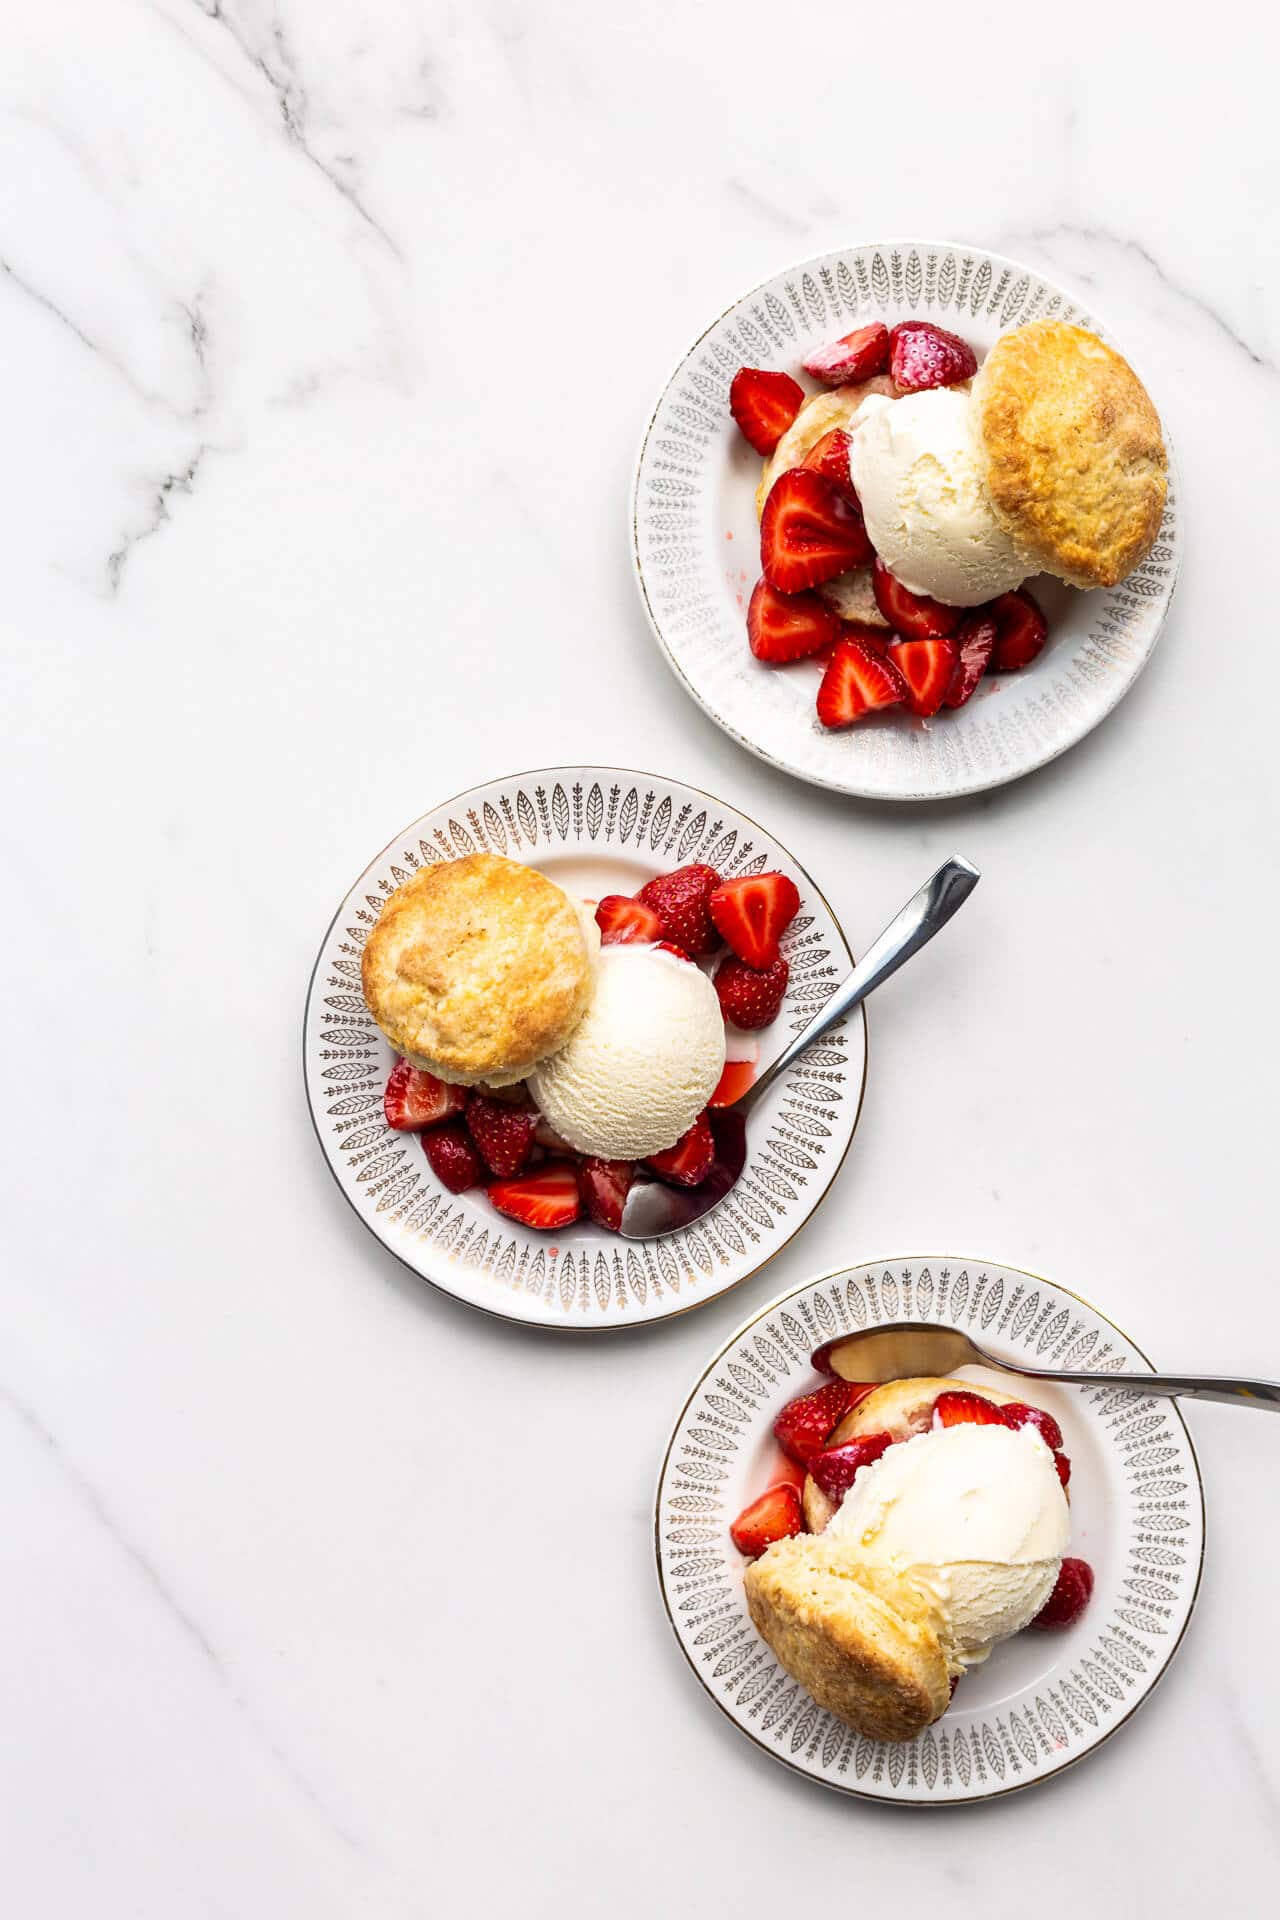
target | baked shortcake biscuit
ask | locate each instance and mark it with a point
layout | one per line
(898, 1408)
(1075, 459)
(863, 1643)
(479, 968)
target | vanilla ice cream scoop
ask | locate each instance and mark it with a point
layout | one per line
(643, 1061)
(974, 1517)
(917, 467)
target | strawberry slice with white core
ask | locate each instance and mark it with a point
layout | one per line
(544, 1200)
(975, 639)
(858, 356)
(857, 681)
(787, 626)
(1021, 630)
(623, 921)
(764, 405)
(413, 1099)
(752, 914)
(809, 532)
(928, 667)
(922, 355)
(776, 1515)
(830, 456)
(913, 615)
(959, 1409)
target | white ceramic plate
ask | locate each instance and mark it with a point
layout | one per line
(1043, 1700)
(697, 546)
(594, 830)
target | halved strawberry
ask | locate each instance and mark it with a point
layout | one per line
(922, 355)
(453, 1158)
(956, 1408)
(738, 1075)
(1021, 630)
(1070, 1596)
(787, 626)
(804, 1426)
(857, 356)
(776, 1515)
(764, 405)
(1018, 1414)
(836, 1468)
(914, 615)
(751, 997)
(809, 532)
(622, 920)
(1063, 1466)
(975, 639)
(414, 1099)
(830, 456)
(689, 1162)
(544, 1200)
(857, 681)
(680, 901)
(604, 1186)
(752, 914)
(928, 667)
(503, 1133)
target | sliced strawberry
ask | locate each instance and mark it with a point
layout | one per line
(453, 1157)
(738, 1075)
(956, 1408)
(1070, 1596)
(975, 639)
(1021, 630)
(604, 1186)
(928, 667)
(858, 356)
(503, 1133)
(689, 1162)
(680, 901)
(805, 1425)
(857, 681)
(836, 1469)
(764, 405)
(753, 914)
(776, 1515)
(877, 639)
(544, 1200)
(914, 615)
(751, 997)
(922, 355)
(414, 1099)
(677, 953)
(809, 532)
(787, 626)
(622, 921)
(1018, 1414)
(1063, 1466)
(830, 456)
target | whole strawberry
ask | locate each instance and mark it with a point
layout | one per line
(751, 997)
(680, 901)
(454, 1160)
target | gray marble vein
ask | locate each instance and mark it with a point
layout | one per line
(180, 481)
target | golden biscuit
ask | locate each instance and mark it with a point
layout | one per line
(861, 1641)
(1075, 459)
(476, 969)
(820, 414)
(899, 1408)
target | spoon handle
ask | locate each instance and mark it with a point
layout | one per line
(1264, 1394)
(925, 914)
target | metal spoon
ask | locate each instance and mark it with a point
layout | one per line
(912, 1347)
(653, 1209)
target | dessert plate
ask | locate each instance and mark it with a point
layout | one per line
(594, 830)
(1043, 1700)
(695, 540)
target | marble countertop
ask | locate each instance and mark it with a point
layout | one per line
(329, 333)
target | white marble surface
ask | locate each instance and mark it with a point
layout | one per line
(329, 330)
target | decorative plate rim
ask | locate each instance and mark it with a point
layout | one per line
(918, 1261)
(919, 796)
(547, 1324)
